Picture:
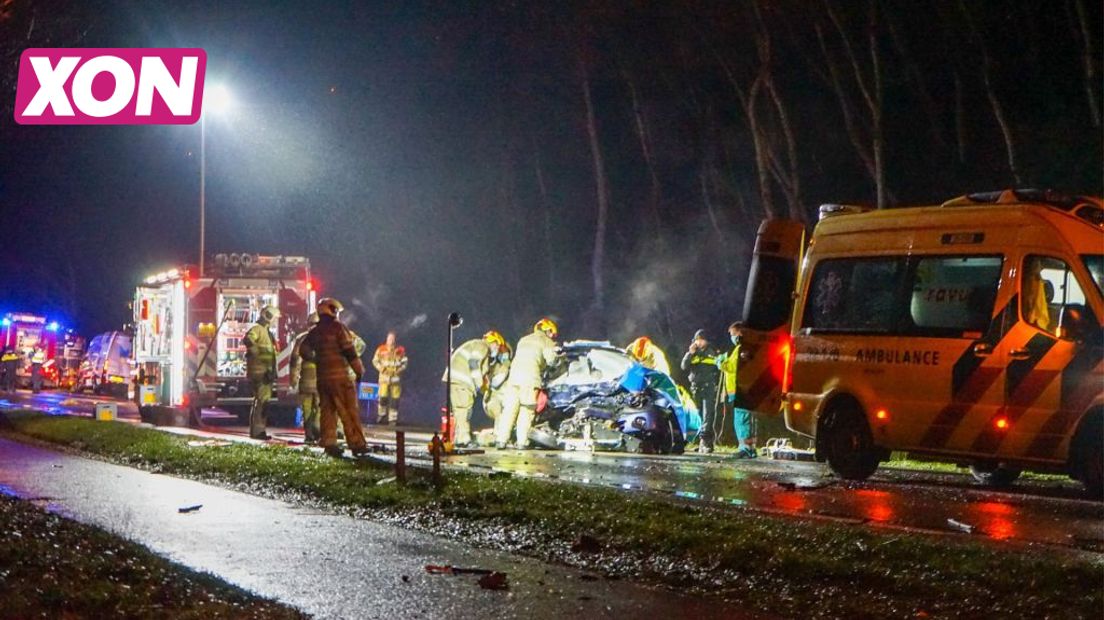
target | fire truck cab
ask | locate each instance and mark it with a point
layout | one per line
(969, 331)
(188, 330)
(33, 339)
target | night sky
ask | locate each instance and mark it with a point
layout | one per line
(431, 157)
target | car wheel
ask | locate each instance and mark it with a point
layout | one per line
(994, 475)
(848, 444)
(1092, 475)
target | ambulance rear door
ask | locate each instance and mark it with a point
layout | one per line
(768, 306)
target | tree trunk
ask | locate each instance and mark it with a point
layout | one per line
(546, 210)
(1088, 60)
(991, 95)
(601, 187)
(655, 190)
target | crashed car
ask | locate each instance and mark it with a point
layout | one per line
(599, 398)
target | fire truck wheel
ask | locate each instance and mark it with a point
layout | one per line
(847, 442)
(1086, 454)
(994, 475)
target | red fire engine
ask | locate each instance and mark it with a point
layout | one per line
(34, 340)
(188, 330)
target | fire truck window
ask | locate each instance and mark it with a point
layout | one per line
(1047, 284)
(951, 295)
(858, 295)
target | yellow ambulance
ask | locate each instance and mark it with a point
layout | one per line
(969, 331)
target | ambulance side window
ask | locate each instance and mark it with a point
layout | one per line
(953, 294)
(1046, 285)
(854, 295)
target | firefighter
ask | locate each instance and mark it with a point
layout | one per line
(649, 355)
(304, 379)
(500, 370)
(9, 364)
(468, 374)
(535, 353)
(330, 344)
(742, 419)
(391, 361)
(260, 368)
(700, 365)
(38, 360)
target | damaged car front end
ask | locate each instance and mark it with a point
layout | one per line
(599, 398)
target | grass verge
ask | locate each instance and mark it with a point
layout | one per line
(52, 567)
(779, 565)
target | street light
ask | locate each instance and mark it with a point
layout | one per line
(216, 99)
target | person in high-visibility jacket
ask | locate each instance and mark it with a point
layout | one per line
(9, 364)
(535, 353)
(391, 361)
(700, 365)
(742, 419)
(38, 362)
(304, 379)
(649, 355)
(260, 368)
(468, 374)
(330, 344)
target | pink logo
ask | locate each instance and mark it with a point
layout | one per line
(110, 86)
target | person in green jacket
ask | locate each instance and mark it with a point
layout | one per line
(304, 380)
(742, 419)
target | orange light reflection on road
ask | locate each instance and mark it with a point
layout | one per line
(790, 502)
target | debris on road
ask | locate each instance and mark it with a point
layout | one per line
(387, 480)
(406, 578)
(494, 581)
(962, 527)
(192, 508)
(434, 569)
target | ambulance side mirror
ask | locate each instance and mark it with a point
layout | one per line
(1072, 324)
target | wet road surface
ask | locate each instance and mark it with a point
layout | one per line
(328, 565)
(1032, 511)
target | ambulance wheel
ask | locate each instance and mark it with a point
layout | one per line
(994, 475)
(847, 442)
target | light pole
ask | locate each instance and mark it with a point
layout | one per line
(216, 99)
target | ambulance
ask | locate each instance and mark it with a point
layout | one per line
(188, 330)
(968, 331)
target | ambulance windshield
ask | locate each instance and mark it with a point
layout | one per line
(1095, 264)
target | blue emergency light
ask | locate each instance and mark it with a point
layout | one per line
(53, 326)
(5, 321)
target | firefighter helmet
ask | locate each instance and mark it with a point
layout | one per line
(312, 318)
(492, 338)
(547, 326)
(270, 313)
(639, 347)
(328, 306)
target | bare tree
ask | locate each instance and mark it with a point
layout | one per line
(1088, 58)
(991, 94)
(601, 188)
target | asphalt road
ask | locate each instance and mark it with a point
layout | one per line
(328, 565)
(1047, 512)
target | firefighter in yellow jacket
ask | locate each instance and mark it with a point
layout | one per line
(304, 379)
(535, 353)
(468, 374)
(649, 355)
(390, 360)
(260, 368)
(330, 345)
(493, 396)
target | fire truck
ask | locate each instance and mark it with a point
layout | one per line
(188, 330)
(32, 337)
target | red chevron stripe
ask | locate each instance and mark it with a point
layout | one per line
(948, 419)
(1026, 394)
